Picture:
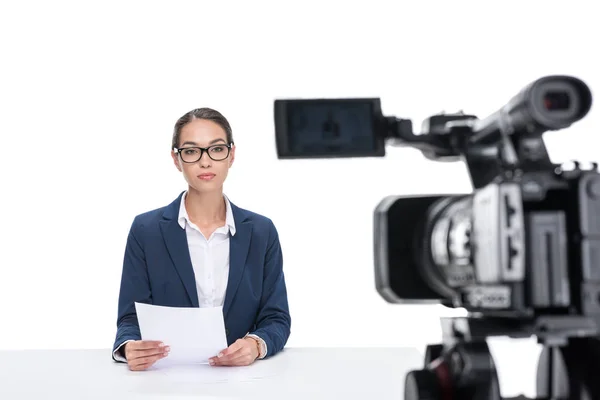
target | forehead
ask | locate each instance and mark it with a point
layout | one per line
(202, 131)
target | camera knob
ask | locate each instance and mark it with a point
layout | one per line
(422, 385)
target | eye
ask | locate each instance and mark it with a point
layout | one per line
(217, 149)
(190, 152)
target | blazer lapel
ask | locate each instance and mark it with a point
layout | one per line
(239, 244)
(177, 246)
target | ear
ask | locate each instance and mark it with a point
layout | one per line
(175, 157)
(232, 155)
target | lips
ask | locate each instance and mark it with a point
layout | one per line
(206, 177)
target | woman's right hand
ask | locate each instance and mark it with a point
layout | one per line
(142, 354)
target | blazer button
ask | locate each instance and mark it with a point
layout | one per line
(226, 331)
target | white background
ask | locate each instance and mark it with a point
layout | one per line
(89, 93)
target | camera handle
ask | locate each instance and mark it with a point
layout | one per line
(463, 368)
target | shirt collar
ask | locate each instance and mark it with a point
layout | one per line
(183, 215)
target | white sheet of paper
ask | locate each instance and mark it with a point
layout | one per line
(193, 334)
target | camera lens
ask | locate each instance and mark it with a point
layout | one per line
(446, 258)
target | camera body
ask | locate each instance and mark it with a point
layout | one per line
(521, 246)
(521, 252)
(524, 242)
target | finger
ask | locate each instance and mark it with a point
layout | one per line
(139, 355)
(147, 344)
(225, 358)
(151, 352)
(141, 367)
(242, 359)
(145, 362)
(138, 367)
(235, 346)
(243, 353)
(231, 351)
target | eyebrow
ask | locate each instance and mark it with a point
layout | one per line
(211, 142)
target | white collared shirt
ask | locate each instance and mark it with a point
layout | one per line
(210, 262)
(210, 256)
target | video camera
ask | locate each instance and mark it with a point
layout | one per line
(521, 253)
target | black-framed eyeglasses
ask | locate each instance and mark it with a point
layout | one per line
(217, 152)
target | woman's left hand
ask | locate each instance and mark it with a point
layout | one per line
(241, 352)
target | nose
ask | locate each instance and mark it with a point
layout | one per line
(204, 159)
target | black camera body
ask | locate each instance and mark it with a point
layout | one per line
(523, 245)
(521, 252)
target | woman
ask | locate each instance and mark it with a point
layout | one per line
(204, 251)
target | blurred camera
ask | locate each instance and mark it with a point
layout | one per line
(520, 253)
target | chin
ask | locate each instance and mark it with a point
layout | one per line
(207, 187)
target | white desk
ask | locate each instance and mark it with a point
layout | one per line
(295, 373)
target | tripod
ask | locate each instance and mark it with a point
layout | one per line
(462, 368)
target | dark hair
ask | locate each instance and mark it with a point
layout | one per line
(201, 113)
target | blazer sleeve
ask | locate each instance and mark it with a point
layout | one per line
(135, 286)
(273, 322)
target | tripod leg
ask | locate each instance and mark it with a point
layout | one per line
(552, 381)
(570, 372)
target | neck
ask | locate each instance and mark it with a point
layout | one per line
(205, 208)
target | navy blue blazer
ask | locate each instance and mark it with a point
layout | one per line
(157, 269)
